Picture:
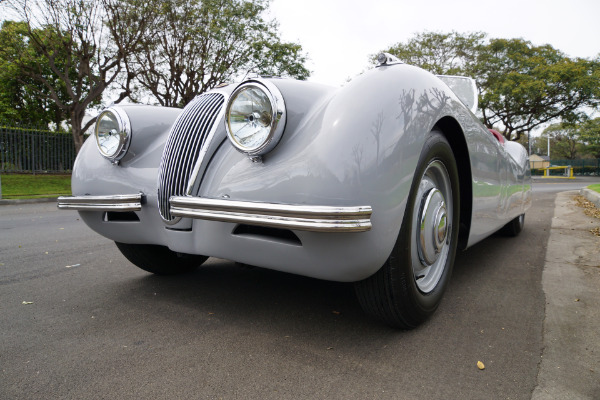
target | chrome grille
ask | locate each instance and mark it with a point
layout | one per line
(187, 136)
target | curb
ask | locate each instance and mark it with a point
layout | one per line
(591, 195)
(9, 202)
(568, 363)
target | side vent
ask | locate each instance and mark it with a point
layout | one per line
(128, 216)
(280, 235)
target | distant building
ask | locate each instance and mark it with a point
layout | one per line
(536, 161)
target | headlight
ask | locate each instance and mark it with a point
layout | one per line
(113, 133)
(255, 117)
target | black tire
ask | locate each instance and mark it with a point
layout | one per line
(159, 260)
(409, 286)
(514, 227)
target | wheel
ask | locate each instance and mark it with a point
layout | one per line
(159, 259)
(514, 227)
(408, 288)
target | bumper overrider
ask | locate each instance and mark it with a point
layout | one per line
(284, 216)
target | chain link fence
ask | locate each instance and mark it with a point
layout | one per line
(35, 150)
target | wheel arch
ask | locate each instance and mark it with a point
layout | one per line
(456, 137)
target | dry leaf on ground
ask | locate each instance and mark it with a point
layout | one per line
(590, 210)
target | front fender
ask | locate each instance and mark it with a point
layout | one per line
(357, 145)
(136, 172)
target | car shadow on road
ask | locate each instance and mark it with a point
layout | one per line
(255, 297)
(224, 292)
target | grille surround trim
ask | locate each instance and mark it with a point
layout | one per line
(186, 146)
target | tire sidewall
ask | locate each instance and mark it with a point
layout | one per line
(436, 147)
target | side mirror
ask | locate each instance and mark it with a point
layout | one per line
(464, 88)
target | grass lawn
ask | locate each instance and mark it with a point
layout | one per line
(595, 187)
(17, 186)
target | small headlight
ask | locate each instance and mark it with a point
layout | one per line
(255, 117)
(113, 133)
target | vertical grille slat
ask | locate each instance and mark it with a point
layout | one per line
(183, 147)
(193, 146)
(183, 142)
(181, 135)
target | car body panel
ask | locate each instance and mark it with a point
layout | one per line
(353, 146)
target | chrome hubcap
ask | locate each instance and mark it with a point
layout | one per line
(432, 218)
(433, 227)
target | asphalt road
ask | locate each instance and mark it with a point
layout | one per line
(555, 185)
(97, 327)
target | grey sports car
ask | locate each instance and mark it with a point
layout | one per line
(378, 182)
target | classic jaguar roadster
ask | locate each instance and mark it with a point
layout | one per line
(378, 182)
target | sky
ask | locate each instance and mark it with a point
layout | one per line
(339, 35)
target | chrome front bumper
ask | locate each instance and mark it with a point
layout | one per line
(285, 216)
(121, 202)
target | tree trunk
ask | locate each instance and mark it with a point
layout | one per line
(76, 122)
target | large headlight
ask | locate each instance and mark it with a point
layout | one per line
(113, 133)
(255, 117)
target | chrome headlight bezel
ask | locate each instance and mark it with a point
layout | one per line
(123, 133)
(277, 115)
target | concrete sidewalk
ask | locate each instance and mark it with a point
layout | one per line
(570, 366)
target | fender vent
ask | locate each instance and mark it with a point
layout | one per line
(186, 139)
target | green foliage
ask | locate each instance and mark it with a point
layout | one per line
(569, 141)
(521, 86)
(23, 100)
(440, 53)
(564, 140)
(274, 58)
(75, 50)
(196, 45)
(589, 133)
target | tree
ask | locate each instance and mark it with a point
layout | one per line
(20, 102)
(83, 44)
(589, 133)
(564, 140)
(521, 86)
(196, 45)
(441, 53)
